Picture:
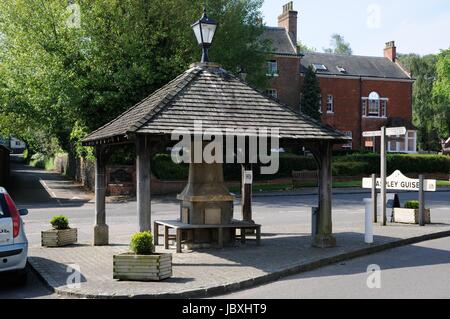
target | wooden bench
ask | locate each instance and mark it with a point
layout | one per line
(179, 227)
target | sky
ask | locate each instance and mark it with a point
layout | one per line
(416, 26)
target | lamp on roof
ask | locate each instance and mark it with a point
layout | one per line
(204, 30)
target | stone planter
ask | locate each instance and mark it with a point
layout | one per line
(132, 267)
(410, 216)
(59, 238)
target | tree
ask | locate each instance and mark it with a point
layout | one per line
(423, 69)
(310, 103)
(303, 48)
(441, 94)
(339, 46)
(54, 75)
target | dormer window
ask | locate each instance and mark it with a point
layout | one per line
(319, 67)
(341, 69)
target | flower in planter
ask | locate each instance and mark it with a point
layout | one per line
(142, 243)
(60, 222)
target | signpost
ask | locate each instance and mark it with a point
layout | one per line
(383, 133)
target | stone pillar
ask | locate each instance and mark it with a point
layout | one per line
(101, 232)
(324, 237)
(143, 176)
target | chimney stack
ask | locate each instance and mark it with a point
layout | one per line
(288, 20)
(390, 51)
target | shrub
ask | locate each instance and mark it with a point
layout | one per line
(60, 222)
(350, 168)
(142, 243)
(412, 204)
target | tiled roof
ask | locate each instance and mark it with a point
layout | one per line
(354, 65)
(279, 40)
(221, 101)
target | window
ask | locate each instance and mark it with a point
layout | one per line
(404, 144)
(374, 106)
(364, 107)
(318, 67)
(272, 68)
(350, 143)
(320, 103)
(330, 106)
(341, 69)
(272, 93)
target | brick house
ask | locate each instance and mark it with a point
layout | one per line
(359, 93)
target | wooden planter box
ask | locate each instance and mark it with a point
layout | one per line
(410, 216)
(59, 238)
(132, 267)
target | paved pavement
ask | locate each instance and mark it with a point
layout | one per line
(417, 271)
(286, 227)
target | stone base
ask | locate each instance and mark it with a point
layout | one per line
(101, 235)
(324, 241)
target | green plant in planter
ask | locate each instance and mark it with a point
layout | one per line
(412, 204)
(60, 222)
(142, 243)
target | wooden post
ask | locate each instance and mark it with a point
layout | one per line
(101, 231)
(383, 176)
(246, 196)
(143, 183)
(324, 237)
(421, 201)
(374, 198)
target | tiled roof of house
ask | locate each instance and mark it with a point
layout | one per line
(279, 40)
(354, 65)
(220, 100)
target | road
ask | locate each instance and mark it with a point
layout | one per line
(411, 272)
(46, 194)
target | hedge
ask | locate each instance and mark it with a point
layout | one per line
(348, 165)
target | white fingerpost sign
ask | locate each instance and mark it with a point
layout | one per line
(248, 177)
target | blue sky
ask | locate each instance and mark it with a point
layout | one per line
(417, 26)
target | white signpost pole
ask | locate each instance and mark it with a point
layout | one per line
(421, 201)
(383, 176)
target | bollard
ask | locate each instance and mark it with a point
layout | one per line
(314, 221)
(368, 237)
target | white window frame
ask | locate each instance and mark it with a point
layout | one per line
(272, 68)
(381, 105)
(405, 140)
(330, 104)
(272, 93)
(320, 104)
(349, 145)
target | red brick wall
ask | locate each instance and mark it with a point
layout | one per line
(287, 82)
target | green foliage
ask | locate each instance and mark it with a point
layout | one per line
(142, 243)
(339, 46)
(303, 48)
(412, 204)
(62, 82)
(407, 163)
(310, 102)
(165, 169)
(60, 222)
(349, 168)
(441, 93)
(425, 109)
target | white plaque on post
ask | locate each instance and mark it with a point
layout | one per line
(248, 177)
